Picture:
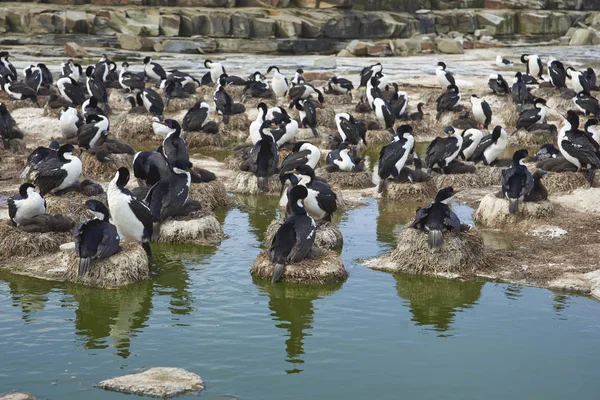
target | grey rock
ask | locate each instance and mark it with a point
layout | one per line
(240, 26)
(449, 46)
(17, 396)
(288, 26)
(142, 22)
(74, 50)
(78, 22)
(135, 43)
(263, 28)
(156, 382)
(169, 24)
(326, 63)
(482, 32)
(344, 53)
(582, 37)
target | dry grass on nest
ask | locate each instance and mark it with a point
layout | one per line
(71, 205)
(252, 102)
(16, 243)
(117, 100)
(458, 181)
(461, 253)
(197, 140)
(247, 183)
(211, 195)
(347, 180)
(420, 191)
(565, 182)
(327, 268)
(11, 164)
(493, 212)
(429, 96)
(338, 100)
(178, 104)
(51, 112)
(104, 171)
(12, 105)
(237, 128)
(560, 104)
(328, 235)
(128, 266)
(529, 139)
(505, 116)
(134, 128)
(326, 118)
(380, 136)
(232, 163)
(201, 228)
(490, 176)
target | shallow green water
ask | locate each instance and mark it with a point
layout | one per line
(375, 336)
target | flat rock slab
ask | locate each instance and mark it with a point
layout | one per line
(156, 382)
(17, 396)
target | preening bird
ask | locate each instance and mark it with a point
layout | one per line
(437, 218)
(519, 91)
(393, 156)
(448, 101)
(532, 116)
(557, 73)
(498, 84)
(491, 146)
(444, 77)
(533, 64)
(279, 83)
(222, 99)
(27, 204)
(442, 151)
(55, 174)
(471, 139)
(349, 129)
(578, 147)
(321, 201)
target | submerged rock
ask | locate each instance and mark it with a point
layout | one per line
(17, 396)
(156, 382)
(493, 211)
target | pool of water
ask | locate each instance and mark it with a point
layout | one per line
(374, 336)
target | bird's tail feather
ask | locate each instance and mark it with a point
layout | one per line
(438, 116)
(435, 239)
(263, 184)
(155, 231)
(513, 206)
(25, 171)
(314, 131)
(277, 272)
(84, 264)
(381, 187)
(591, 176)
(147, 249)
(225, 119)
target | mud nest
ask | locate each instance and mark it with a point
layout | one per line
(461, 253)
(420, 191)
(104, 171)
(196, 140)
(128, 266)
(202, 228)
(328, 235)
(530, 139)
(379, 136)
(51, 112)
(326, 118)
(565, 182)
(338, 100)
(247, 183)
(490, 176)
(12, 105)
(117, 100)
(178, 104)
(458, 181)
(493, 212)
(325, 267)
(71, 205)
(134, 128)
(237, 128)
(505, 116)
(211, 195)
(11, 164)
(347, 180)
(16, 243)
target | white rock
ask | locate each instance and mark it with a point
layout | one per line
(549, 231)
(17, 396)
(67, 246)
(157, 382)
(327, 62)
(583, 200)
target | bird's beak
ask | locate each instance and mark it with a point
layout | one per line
(83, 203)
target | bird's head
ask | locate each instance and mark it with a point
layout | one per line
(147, 60)
(573, 119)
(98, 209)
(403, 130)
(89, 71)
(442, 65)
(449, 130)
(25, 189)
(520, 155)
(54, 145)
(122, 177)
(445, 194)
(524, 58)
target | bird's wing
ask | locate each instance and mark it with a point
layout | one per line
(12, 208)
(580, 148)
(327, 198)
(305, 229)
(484, 144)
(109, 244)
(154, 97)
(528, 183)
(389, 156)
(506, 175)
(294, 160)
(450, 77)
(467, 141)
(50, 173)
(421, 216)
(528, 118)
(447, 101)
(451, 221)
(486, 108)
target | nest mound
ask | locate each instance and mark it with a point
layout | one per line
(196, 140)
(379, 136)
(493, 211)
(12, 105)
(211, 195)
(237, 128)
(505, 116)
(565, 182)
(16, 243)
(128, 266)
(104, 171)
(51, 112)
(530, 139)
(11, 164)
(117, 100)
(326, 118)
(420, 191)
(347, 180)
(202, 229)
(177, 104)
(328, 235)
(458, 181)
(326, 267)
(247, 183)
(136, 128)
(71, 205)
(461, 253)
(339, 100)
(490, 176)
(232, 163)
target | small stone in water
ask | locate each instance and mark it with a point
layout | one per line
(17, 396)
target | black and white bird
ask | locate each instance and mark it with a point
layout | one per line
(186, 80)
(136, 103)
(533, 64)
(308, 114)
(150, 166)
(153, 102)
(154, 71)
(71, 69)
(520, 91)
(6, 65)
(222, 99)
(591, 127)
(304, 91)
(174, 90)
(71, 90)
(339, 85)
(27, 204)
(69, 122)
(19, 91)
(590, 76)
(503, 62)
(298, 77)
(444, 77)
(91, 107)
(276, 114)
(96, 88)
(384, 114)
(264, 156)
(8, 126)
(517, 181)
(303, 153)
(173, 146)
(578, 80)
(532, 116)
(482, 112)
(38, 155)
(368, 72)
(399, 104)
(168, 196)
(47, 79)
(393, 156)
(498, 84)
(130, 82)
(95, 239)
(255, 125)
(279, 82)
(342, 159)
(96, 126)
(471, 139)
(546, 151)
(215, 70)
(55, 174)
(294, 239)
(448, 101)
(256, 86)
(285, 132)
(373, 92)
(442, 151)
(587, 103)
(578, 147)
(321, 201)
(491, 146)
(33, 77)
(557, 73)
(196, 117)
(437, 218)
(132, 217)
(349, 129)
